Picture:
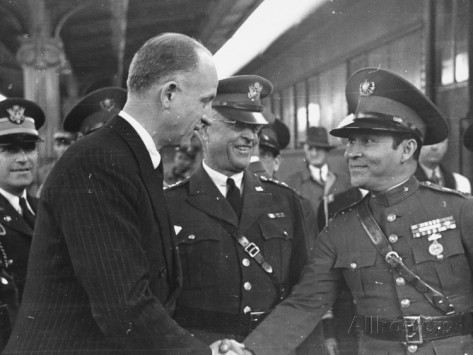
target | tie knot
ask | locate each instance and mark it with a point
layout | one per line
(231, 182)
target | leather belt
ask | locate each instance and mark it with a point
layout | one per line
(218, 322)
(416, 329)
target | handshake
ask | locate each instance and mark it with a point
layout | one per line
(229, 347)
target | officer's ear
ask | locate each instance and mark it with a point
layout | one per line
(168, 93)
(277, 162)
(409, 146)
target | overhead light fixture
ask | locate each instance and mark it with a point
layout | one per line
(2, 97)
(269, 21)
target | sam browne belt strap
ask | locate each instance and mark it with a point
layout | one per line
(377, 237)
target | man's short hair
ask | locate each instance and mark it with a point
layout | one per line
(161, 57)
(398, 138)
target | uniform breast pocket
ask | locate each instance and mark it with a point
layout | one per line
(199, 250)
(360, 270)
(450, 268)
(278, 239)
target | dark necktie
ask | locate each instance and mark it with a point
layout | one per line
(27, 215)
(233, 196)
(435, 178)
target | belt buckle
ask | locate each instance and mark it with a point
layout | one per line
(413, 330)
(252, 249)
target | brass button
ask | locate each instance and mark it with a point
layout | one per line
(393, 238)
(400, 281)
(412, 348)
(391, 217)
(247, 286)
(245, 262)
(246, 309)
(192, 236)
(405, 303)
(353, 266)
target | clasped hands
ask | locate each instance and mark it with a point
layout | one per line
(229, 347)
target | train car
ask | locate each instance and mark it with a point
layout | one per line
(428, 42)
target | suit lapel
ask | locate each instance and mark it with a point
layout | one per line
(205, 196)
(153, 181)
(9, 217)
(256, 201)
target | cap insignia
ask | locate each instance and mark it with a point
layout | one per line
(367, 88)
(255, 91)
(107, 104)
(397, 119)
(17, 114)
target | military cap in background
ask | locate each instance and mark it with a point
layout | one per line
(239, 98)
(318, 137)
(94, 110)
(20, 120)
(384, 101)
(275, 137)
(468, 138)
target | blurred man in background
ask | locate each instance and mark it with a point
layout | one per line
(431, 169)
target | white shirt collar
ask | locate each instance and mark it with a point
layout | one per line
(145, 137)
(319, 174)
(428, 172)
(15, 200)
(220, 180)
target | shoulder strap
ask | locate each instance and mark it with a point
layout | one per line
(383, 246)
(254, 252)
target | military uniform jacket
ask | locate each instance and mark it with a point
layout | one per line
(344, 250)
(218, 275)
(103, 272)
(15, 238)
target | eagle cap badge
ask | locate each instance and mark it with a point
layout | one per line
(255, 91)
(17, 114)
(107, 104)
(367, 88)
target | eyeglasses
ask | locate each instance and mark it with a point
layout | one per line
(240, 126)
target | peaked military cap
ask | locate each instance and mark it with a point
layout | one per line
(468, 138)
(94, 110)
(275, 137)
(239, 98)
(384, 101)
(20, 118)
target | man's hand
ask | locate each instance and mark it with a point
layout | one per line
(229, 347)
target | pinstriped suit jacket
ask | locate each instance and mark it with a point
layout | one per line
(103, 273)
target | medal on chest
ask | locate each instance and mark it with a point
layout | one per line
(436, 249)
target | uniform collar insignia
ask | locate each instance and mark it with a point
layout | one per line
(367, 88)
(17, 114)
(107, 104)
(255, 91)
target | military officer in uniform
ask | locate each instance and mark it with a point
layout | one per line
(94, 110)
(241, 236)
(20, 120)
(405, 250)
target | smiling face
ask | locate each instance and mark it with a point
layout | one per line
(228, 145)
(17, 166)
(375, 163)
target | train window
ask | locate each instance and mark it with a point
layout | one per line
(276, 103)
(301, 112)
(287, 110)
(313, 102)
(452, 41)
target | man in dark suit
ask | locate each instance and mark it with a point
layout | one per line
(241, 236)
(431, 169)
(104, 271)
(19, 121)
